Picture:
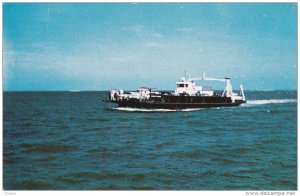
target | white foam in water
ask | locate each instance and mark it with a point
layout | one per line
(190, 109)
(270, 101)
(154, 110)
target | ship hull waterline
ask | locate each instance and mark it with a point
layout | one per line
(174, 106)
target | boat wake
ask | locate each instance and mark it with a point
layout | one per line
(127, 109)
(270, 101)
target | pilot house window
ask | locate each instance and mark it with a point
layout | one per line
(182, 85)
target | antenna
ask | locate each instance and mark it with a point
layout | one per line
(185, 71)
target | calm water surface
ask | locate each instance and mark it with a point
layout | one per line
(74, 141)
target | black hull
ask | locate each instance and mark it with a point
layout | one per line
(175, 106)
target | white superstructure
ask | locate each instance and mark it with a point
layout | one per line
(189, 87)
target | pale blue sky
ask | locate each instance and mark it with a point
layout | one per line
(125, 45)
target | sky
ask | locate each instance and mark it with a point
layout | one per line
(102, 46)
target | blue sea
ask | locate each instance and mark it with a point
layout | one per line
(75, 141)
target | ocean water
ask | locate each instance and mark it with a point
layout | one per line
(74, 141)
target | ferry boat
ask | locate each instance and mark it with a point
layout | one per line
(187, 95)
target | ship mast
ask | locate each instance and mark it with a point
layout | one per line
(185, 72)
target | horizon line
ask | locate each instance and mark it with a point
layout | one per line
(76, 91)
